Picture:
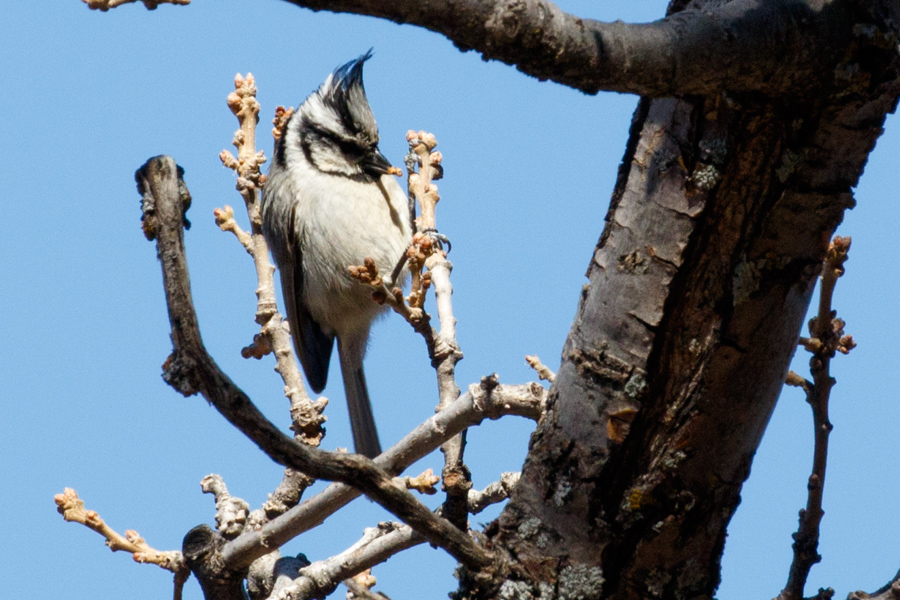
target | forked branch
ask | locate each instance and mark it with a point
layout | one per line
(477, 404)
(191, 370)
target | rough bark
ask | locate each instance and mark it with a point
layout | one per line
(698, 288)
(775, 47)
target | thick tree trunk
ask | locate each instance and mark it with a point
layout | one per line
(698, 288)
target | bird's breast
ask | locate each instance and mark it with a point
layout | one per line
(343, 223)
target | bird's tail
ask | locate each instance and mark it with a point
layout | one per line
(362, 422)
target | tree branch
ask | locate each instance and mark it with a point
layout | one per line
(469, 410)
(827, 339)
(105, 5)
(378, 545)
(358, 591)
(744, 45)
(231, 511)
(191, 370)
(699, 285)
(445, 351)
(496, 492)
(889, 591)
(306, 416)
(201, 547)
(71, 507)
(321, 577)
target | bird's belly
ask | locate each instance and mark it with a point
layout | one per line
(334, 239)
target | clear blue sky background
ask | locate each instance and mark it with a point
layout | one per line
(88, 97)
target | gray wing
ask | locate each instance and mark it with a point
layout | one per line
(313, 346)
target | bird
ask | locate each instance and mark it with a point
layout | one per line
(330, 201)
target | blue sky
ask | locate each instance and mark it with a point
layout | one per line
(90, 96)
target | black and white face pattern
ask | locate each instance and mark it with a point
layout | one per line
(336, 129)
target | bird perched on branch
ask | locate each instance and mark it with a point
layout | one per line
(331, 201)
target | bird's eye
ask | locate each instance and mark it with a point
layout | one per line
(351, 150)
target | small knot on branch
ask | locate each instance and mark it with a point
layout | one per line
(179, 371)
(307, 419)
(258, 348)
(423, 483)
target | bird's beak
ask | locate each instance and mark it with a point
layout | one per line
(376, 164)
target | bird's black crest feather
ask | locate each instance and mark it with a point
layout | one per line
(347, 96)
(350, 74)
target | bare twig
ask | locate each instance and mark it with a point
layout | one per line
(231, 511)
(889, 591)
(543, 372)
(71, 507)
(827, 338)
(105, 5)
(191, 370)
(445, 353)
(225, 221)
(492, 494)
(376, 546)
(422, 152)
(469, 410)
(306, 415)
(286, 496)
(356, 591)
(423, 165)
(423, 483)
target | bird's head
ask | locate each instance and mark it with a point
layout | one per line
(336, 128)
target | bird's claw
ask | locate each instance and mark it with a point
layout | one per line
(438, 238)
